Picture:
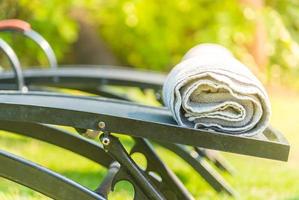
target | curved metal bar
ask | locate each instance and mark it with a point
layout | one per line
(89, 77)
(44, 45)
(41, 179)
(131, 119)
(25, 28)
(15, 63)
(61, 138)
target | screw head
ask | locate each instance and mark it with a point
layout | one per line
(106, 141)
(101, 125)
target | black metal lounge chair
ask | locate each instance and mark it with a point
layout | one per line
(113, 116)
(135, 120)
(119, 104)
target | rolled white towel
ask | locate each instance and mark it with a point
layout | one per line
(211, 90)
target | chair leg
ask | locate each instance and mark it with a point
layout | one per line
(107, 184)
(113, 147)
(203, 168)
(216, 159)
(169, 185)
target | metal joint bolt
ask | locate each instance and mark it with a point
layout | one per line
(105, 141)
(101, 125)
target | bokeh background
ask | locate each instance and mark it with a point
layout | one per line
(154, 35)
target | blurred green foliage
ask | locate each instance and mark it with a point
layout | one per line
(155, 34)
(51, 18)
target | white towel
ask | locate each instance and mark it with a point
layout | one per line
(211, 90)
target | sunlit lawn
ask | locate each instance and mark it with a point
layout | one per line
(255, 178)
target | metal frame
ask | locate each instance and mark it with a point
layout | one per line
(15, 63)
(212, 178)
(93, 151)
(106, 116)
(88, 78)
(134, 120)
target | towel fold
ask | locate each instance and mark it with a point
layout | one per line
(211, 90)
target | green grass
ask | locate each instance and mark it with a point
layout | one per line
(255, 178)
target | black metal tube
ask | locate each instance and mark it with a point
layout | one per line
(42, 180)
(117, 151)
(15, 63)
(106, 185)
